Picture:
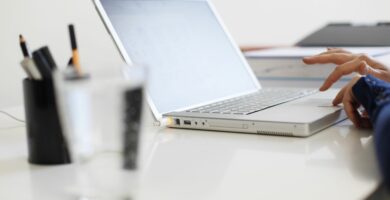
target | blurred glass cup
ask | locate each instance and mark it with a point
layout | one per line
(101, 115)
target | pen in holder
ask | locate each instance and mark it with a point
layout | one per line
(46, 144)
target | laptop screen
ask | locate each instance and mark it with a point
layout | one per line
(190, 58)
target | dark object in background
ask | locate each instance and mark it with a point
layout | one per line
(46, 144)
(49, 58)
(133, 99)
(43, 64)
(349, 35)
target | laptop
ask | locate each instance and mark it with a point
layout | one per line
(198, 77)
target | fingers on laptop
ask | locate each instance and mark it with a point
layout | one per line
(335, 58)
(351, 105)
(342, 70)
(346, 90)
(362, 64)
(339, 97)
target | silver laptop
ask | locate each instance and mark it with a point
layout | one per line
(199, 79)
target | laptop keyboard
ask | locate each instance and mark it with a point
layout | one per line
(251, 103)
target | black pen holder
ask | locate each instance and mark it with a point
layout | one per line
(45, 140)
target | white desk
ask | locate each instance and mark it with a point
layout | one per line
(337, 163)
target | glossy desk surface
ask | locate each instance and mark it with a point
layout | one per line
(337, 163)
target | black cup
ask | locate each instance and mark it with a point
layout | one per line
(132, 122)
(45, 140)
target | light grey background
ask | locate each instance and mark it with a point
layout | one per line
(44, 22)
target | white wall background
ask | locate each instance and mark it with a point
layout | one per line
(285, 22)
(251, 22)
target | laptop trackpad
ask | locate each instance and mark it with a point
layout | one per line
(315, 102)
(304, 110)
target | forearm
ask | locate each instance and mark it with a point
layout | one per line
(374, 95)
(382, 141)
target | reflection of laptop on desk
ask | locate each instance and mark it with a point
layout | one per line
(198, 78)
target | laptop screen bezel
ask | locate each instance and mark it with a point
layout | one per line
(110, 28)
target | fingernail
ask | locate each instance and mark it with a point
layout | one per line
(306, 60)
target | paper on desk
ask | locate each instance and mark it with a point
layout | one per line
(300, 52)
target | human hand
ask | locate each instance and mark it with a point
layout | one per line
(351, 105)
(347, 64)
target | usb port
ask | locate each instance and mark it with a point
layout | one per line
(177, 122)
(187, 122)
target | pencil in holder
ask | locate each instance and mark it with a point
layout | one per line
(45, 140)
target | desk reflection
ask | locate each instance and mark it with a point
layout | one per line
(190, 164)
